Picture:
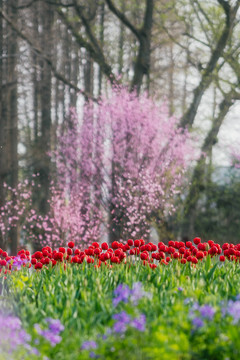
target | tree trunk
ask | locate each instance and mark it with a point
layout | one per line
(197, 183)
(45, 102)
(101, 39)
(121, 42)
(3, 171)
(88, 75)
(35, 75)
(207, 76)
(13, 115)
(74, 74)
(171, 97)
(142, 65)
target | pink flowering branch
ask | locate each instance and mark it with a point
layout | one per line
(128, 157)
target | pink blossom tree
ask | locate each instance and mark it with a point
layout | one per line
(119, 164)
(14, 213)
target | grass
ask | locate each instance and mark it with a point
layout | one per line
(81, 297)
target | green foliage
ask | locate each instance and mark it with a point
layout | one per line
(81, 297)
(218, 216)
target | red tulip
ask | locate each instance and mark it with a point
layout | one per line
(104, 246)
(38, 265)
(130, 242)
(71, 244)
(197, 240)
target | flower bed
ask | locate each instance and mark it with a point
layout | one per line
(130, 301)
(96, 254)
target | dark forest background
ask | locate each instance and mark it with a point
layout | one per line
(58, 54)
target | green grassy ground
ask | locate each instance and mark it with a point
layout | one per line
(187, 312)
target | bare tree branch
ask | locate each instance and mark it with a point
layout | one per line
(225, 5)
(25, 6)
(95, 53)
(196, 39)
(173, 39)
(205, 15)
(59, 3)
(39, 52)
(30, 3)
(201, 24)
(123, 19)
(189, 116)
(142, 64)
(86, 24)
(234, 63)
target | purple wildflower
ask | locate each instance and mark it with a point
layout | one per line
(119, 327)
(54, 325)
(233, 309)
(11, 334)
(197, 322)
(35, 351)
(38, 329)
(51, 337)
(121, 293)
(204, 312)
(139, 323)
(17, 262)
(52, 333)
(195, 306)
(88, 345)
(123, 319)
(138, 293)
(32, 350)
(92, 355)
(207, 312)
(122, 316)
(180, 289)
(192, 312)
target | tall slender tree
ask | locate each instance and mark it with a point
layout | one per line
(9, 110)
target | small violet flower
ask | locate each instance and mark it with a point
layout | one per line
(92, 355)
(139, 323)
(207, 312)
(138, 293)
(12, 335)
(54, 325)
(197, 322)
(121, 293)
(88, 345)
(232, 309)
(52, 333)
(124, 293)
(17, 262)
(199, 313)
(122, 320)
(119, 327)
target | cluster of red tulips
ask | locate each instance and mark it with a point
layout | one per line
(149, 254)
